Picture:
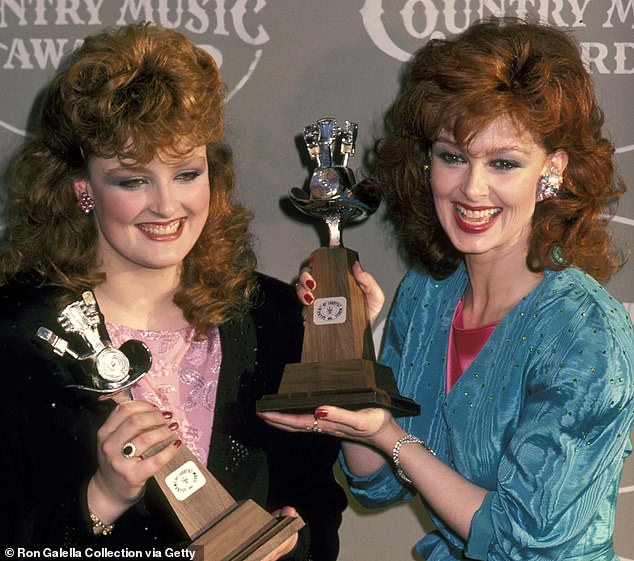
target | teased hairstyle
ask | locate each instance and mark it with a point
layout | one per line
(534, 75)
(129, 92)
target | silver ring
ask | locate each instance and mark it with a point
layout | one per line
(128, 450)
(316, 425)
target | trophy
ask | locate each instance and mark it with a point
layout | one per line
(217, 527)
(338, 365)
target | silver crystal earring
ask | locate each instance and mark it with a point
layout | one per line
(549, 185)
(86, 203)
(427, 166)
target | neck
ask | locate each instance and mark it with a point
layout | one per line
(496, 286)
(141, 299)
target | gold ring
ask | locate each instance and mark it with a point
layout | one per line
(316, 425)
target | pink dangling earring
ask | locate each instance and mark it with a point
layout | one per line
(549, 185)
(86, 203)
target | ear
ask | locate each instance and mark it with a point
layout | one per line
(557, 160)
(81, 185)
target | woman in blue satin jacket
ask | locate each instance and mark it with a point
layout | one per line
(498, 179)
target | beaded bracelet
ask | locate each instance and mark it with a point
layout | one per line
(99, 523)
(407, 439)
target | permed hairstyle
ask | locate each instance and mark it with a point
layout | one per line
(534, 75)
(130, 92)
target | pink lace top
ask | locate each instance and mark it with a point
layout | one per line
(464, 345)
(183, 379)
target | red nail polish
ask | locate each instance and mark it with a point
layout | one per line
(177, 443)
(172, 426)
(167, 414)
(321, 413)
(310, 284)
(308, 298)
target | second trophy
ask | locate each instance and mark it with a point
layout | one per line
(217, 527)
(338, 365)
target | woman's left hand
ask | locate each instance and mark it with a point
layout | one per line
(368, 434)
(290, 543)
(368, 426)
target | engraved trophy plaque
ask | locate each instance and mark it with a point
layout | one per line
(338, 365)
(217, 527)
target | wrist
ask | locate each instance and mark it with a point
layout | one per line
(101, 504)
(386, 440)
(396, 451)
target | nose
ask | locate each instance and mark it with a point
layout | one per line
(475, 183)
(165, 201)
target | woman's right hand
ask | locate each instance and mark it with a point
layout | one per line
(119, 481)
(373, 294)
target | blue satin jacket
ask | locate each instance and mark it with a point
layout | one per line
(541, 418)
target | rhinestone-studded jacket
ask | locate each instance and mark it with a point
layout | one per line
(48, 436)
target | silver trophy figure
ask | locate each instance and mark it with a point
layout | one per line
(338, 364)
(104, 369)
(333, 195)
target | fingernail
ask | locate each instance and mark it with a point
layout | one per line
(360, 266)
(172, 426)
(308, 298)
(310, 284)
(321, 413)
(177, 443)
(167, 414)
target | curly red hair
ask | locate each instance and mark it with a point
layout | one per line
(533, 74)
(130, 92)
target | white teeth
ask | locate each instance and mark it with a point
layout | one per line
(480, 216)
(161, 230)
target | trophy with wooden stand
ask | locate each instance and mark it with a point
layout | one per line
(338, 365)
(218, 527)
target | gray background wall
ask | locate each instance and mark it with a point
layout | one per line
(290, 62)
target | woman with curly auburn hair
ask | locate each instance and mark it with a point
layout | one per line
(545, 92)
(127, 191)
(498, 177)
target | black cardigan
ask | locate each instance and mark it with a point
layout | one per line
(48, 435)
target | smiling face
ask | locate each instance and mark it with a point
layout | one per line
(485, 193)
(148, 216)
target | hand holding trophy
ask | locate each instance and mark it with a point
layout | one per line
(338, 364)
(218, 527)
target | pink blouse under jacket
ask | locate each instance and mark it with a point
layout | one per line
(183, 379)
(464, 345)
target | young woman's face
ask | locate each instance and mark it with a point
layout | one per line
(485, 194)
(148, 216)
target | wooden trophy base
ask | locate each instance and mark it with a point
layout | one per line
(337, 365)
(246, 533)
(220, 528)
(351, 384)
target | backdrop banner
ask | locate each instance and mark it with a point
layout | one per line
(287, 63)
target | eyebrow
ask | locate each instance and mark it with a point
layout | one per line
(191, 161)
(493, 150)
